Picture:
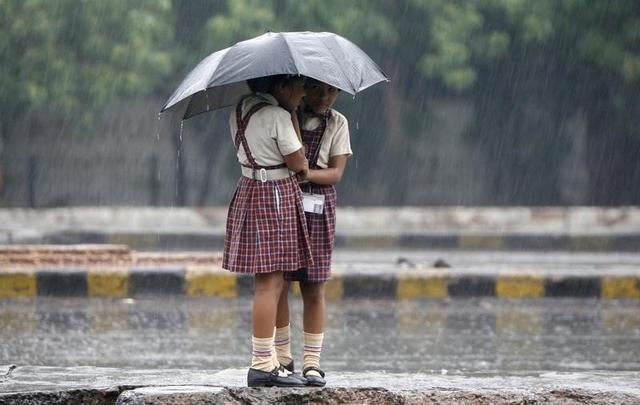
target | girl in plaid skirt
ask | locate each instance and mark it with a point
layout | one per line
(266, 232)
(325, 135)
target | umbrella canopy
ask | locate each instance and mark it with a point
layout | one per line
(220, 79)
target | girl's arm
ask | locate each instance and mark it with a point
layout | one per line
(297, 163)
(296, 125)
(332, 174)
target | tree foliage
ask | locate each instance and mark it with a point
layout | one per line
(526, 65)
(69, 55)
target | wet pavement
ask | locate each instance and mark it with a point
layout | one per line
(31, 378)
(186, 350)
(444, 337)
(444, 350)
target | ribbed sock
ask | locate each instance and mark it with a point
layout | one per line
(274, 356)
(262, 354)
(282, 342)
(312, 349)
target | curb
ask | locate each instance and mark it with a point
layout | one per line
(214, 282)
(614, 242)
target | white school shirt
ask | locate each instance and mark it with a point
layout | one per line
(335, 141)
(270, 133)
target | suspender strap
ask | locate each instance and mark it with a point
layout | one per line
(324, 118)
(240, 139)
(314, 160)
(242, 123)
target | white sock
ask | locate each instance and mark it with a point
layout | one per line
(261, 357)
(312, 349)
(274, 356)
(282, 342)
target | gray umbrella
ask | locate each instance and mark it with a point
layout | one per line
(220, 78)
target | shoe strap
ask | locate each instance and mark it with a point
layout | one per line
(312, 368)
(284, 370)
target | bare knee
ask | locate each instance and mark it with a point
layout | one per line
(313, 293)
(269, 283)
(284, 292)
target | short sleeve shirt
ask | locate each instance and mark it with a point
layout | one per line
(335, 141)
(270, 134)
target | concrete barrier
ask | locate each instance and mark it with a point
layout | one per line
(468, 228)
(115, 271)
(214, 282)
(372, 239)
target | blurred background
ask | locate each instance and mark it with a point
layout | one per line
(491, 102)
(447, 252)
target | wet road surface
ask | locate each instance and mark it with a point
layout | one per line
(466, 337)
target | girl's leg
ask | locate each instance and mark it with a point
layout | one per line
(264, 372)
(282, 336)
(282, 316)
(268, 287)
(313, 301)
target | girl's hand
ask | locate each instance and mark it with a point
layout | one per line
(296, 162)
(302, 175)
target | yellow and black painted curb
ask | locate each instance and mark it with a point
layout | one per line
(619, 242)
(205, 282)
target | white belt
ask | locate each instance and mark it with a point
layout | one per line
(266, 175)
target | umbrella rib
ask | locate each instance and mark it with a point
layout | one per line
(215, 71)
(344, 75)
(192, 90)
(310, 56)
(290, 52)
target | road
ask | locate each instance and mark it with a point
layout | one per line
(450, 343)
(454, 336)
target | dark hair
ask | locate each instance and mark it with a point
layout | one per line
(266, 84)
(310, 81)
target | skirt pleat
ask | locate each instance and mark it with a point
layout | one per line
(266, 228)
(322, 231)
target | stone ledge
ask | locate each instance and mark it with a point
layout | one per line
(177, 395)
(101, 385)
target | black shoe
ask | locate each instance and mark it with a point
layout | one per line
(275, 378)
(314, 380)
(290, 369)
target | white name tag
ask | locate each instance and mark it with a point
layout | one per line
(313, 203)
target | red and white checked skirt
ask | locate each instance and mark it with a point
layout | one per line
(322, 232)
(266, 228)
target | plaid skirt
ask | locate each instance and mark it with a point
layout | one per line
(322, 232)
(266, 228)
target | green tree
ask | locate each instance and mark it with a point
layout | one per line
(529, 66)
(600, 48)
(73, 56)
(525, 66)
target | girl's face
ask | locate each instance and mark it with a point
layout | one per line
(320, 96)
(290, 95)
